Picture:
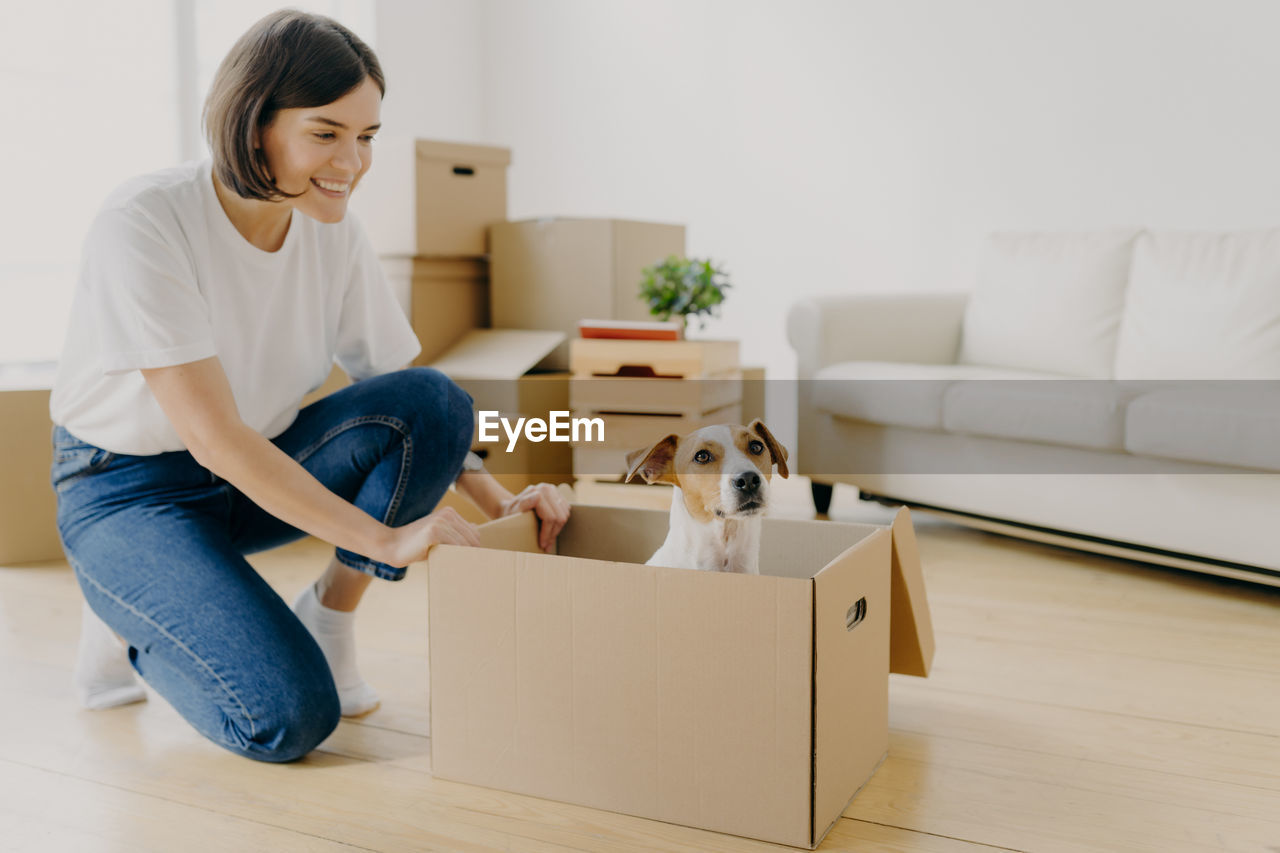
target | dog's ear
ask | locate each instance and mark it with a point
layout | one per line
(655, 464)
(776, 450)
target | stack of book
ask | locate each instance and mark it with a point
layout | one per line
(632, 330)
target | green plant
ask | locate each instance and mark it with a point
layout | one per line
(685, 287)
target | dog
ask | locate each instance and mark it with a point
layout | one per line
(721, 476)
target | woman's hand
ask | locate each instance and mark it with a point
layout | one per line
(548, 504)
(411, 542)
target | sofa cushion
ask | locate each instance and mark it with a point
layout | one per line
(1203, 306)
(1049, 302)
(1222, 423)
(896, 393)
(1077, 413)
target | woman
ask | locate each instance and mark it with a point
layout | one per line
(212, 297)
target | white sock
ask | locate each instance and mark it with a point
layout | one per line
(103, 676)
(334, 631)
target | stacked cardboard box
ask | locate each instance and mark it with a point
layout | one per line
(645, 390)
(427, 208)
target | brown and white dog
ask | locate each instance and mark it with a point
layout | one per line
(721, 476)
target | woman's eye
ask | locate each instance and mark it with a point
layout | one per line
(756, 447)
(324, 135)
(366, 139)
(702, 457)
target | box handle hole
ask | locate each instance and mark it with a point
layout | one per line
(855, 614)
(465, 171)
(643, 371)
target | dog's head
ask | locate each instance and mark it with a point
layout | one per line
(723, 470)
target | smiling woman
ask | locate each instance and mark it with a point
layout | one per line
(212, 298)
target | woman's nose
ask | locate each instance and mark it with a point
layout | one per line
(347, 158)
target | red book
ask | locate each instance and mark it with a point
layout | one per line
(632, 330)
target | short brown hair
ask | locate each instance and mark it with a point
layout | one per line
(287, 60)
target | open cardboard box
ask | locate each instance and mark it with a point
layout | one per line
(755, 705)
(493, 366)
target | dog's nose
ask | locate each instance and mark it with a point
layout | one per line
(747, 482)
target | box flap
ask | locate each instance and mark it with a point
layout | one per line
(911, 628)
(463, 505)
(497, 353)
(511, 533)
(851, 618)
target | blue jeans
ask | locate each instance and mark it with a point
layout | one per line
(158, 543)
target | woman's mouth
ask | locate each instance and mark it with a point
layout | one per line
(332, 189)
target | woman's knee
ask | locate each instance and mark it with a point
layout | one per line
(297, 723)
(452, 408)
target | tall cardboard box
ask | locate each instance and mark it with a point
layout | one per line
(551, 273)
(438, 199)
(755, 705)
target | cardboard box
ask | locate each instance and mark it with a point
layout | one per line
(655, 396)
(689, 379)
(755, 705)
(633, 431)
(28, 508)
(444, 297)
(645, 390)
(529, 462)
(464, 505)
(432, 198)
(551, 273)
(492, 366)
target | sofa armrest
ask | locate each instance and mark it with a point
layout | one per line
(921, 328)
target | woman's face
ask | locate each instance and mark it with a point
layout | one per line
(322, 152)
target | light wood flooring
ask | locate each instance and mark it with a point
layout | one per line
(1077, 702)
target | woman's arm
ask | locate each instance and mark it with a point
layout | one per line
(197, 399)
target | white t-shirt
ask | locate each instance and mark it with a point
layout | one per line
(166, 279)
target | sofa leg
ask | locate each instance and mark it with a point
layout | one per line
(821, 496)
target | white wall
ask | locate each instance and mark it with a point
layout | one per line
(828, 145)
(432, 54)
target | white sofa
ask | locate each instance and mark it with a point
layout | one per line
(1159, 439)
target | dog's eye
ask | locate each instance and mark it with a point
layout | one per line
(702, 457)
(756, 447)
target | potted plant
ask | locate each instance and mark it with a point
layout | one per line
(684, 288)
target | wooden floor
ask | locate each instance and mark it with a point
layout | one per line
(1077, 703)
